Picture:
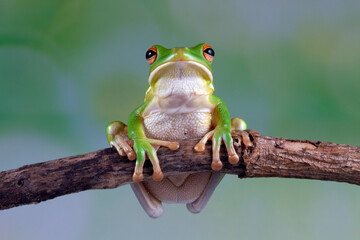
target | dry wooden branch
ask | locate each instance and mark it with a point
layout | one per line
(270, 157)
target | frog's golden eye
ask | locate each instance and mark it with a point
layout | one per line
(151, 55)
(208, 52)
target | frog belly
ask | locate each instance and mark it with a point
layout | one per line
(182, 188)
(174, 127)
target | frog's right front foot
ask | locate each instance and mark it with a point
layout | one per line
(117, 137)
(145, 146)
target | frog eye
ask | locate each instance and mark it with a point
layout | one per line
(151, 55)
(208, 52)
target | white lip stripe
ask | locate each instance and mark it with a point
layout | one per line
(205, 69)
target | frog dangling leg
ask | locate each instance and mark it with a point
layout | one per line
(150, 204)
(198, 205)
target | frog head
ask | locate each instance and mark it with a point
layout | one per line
(180, 71)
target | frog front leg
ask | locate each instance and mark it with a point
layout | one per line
(222, 132)
(117, 135)
(145, 146)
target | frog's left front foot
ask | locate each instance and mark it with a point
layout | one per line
(223, 133)
(219, 134)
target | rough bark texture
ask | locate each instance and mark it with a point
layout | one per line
(102, 169)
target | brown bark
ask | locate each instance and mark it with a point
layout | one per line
(102, 169)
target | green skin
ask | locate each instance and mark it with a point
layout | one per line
(136, 130)
(142, 143)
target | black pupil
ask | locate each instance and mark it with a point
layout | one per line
(149, 54)
(209, 51)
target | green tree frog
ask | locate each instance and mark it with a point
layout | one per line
(179, 104)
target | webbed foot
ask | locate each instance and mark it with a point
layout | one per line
(145, 146)
(225, 134)
(117, 137)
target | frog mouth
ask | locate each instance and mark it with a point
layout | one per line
(180, 70)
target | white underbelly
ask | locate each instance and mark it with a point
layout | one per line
(177, 126)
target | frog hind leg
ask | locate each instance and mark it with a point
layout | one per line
(241, 134)
(201, 201)
(149, 203)
(117, 137)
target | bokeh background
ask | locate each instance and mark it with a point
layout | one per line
(289, 68)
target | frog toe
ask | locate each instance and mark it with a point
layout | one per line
(138, 177)
(245, 137)
(233, 159)
(200, 146)
(216, 165)
(162, 143)
(118, 148)
(158, 176)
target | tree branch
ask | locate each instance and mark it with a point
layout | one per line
(103, 169)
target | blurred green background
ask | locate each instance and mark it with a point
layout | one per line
(289, 68)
